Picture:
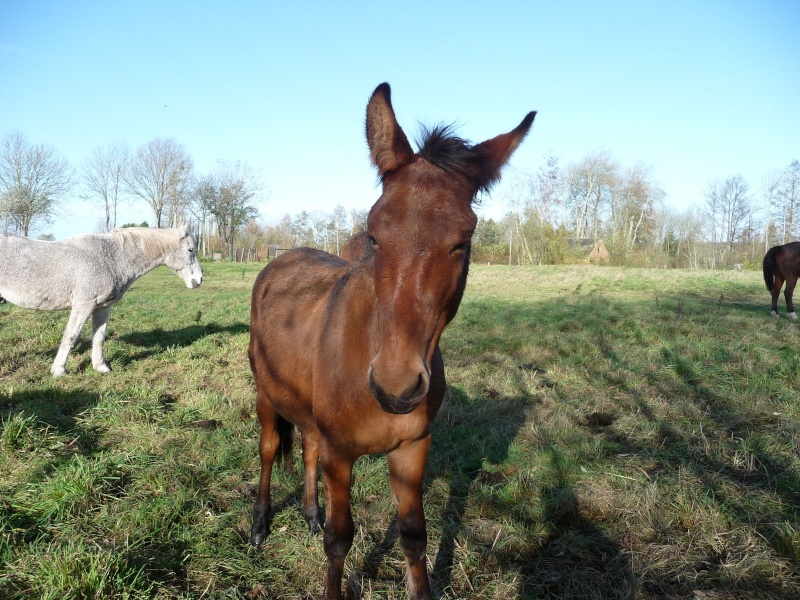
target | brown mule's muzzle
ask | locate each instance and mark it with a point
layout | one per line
(398, 388)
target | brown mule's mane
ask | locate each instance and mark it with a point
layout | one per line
(454, 155)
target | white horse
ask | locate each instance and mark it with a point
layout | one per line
(89, 273)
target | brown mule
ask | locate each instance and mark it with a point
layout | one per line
(349, 351)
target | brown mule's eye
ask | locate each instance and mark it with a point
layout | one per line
(460, 248)
(374, 243)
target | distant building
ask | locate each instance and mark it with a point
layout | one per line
(597, 251)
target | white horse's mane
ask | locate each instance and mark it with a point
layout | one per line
(154, 242)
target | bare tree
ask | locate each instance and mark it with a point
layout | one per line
(339, 223)
(104, 174)
(229, 193)
(788, 197)
(358, 220)
(589, 185)
(773, 211)
(633, 204)
(280, 234)
(302, 232)
(320, 229)
(203, 198)
(549, 188)
(522, 194)
(160, 174)
(729, 209)
(689, 231)
(537, 205)
(33, 180)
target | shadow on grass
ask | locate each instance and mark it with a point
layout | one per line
(161, 562)
(707, 454)
(576, 547)
(467, 440)
(725, 421)
(472, 439)
(159, 338)
(577, 559)
(154, 341)
(56, 409)
(464, 439)
(27, 419)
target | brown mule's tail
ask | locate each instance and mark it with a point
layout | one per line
(285, 433)
(769, 267)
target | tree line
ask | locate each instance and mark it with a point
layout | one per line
(557, 208)
(552, 213)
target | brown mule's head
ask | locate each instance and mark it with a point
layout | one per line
(420, 229)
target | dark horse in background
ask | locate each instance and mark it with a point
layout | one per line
(782, 264)
(348, 350)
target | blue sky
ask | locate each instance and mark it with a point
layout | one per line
(698, 90)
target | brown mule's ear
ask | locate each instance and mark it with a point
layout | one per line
(388, 145)
(498, 150)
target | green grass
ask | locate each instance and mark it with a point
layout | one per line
(607, 433)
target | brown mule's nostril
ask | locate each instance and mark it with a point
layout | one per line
(402, 402)
(422, 386)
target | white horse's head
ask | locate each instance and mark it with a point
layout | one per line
(183, 260)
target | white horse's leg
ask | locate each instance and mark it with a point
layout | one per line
(99, 322)
(77, 319)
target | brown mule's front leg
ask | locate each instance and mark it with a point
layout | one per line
(406, 469)
(311, 512)
(338, 536)
(267, 448)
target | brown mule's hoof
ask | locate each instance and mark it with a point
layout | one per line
(258, 535)
(260, 529)
(314, 522)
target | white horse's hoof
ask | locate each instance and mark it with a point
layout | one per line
(774, 314)
(58, 372)
(104, 368)
(793, 316)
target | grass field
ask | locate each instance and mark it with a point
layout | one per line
(607, 433)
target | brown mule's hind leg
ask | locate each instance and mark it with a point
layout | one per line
(269, 443)
(791, 281)
(311, 512)
(777, 284)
